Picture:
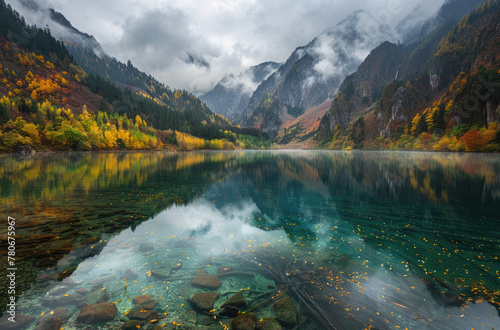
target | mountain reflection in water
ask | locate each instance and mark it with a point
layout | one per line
(338, 240)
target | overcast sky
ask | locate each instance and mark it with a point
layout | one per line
(229, 35)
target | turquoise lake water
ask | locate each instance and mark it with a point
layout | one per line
(353, 240)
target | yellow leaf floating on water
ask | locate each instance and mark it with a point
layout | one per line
(149, 273)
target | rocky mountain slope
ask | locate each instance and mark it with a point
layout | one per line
(92, 58)
(231, 95)
(313, 73)
(48, 102)
(445, 95)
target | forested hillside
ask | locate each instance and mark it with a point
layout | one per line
(446, 95)
(47, 101)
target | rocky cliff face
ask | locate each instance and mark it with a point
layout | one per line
(313, 73)
(360, 89)
(232, 94)
(446, 85)
(450, 11)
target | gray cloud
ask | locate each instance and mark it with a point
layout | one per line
(229, 35)
(158, 37)
(246, 82)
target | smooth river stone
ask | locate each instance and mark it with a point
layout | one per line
(161, 273)
(144, 298)
(97, 313)
(203, 301)
(286, 312)
(206, 281)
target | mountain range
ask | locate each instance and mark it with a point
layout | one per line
(360, 84)
(312, 73)
(231, 96)
(363, 76)
(441, 93)
(68, 94)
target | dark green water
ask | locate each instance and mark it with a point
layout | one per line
(391, 240)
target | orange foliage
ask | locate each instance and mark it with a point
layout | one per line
(475, 140)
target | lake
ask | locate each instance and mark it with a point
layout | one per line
(299, 239)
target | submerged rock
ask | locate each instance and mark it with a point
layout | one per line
(176, 265)
(49, 323)
(190, 316)
(59, 312)
(58, 289)
(130, 275)
(206, 281)
(286, 312)
(229, 311)
(161, 273)
(132, 325)
(97, 313)
(146, 301)
(69, 299)
(148, 315)
(203, 301)
(246, 321)
(82, 292)
(149, 305)
(236, 300)
(97, 296)
(224, 269)
(206, 321)
(140, 299)
(268, 324)
(22, 320)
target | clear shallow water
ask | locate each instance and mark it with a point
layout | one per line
(356, 239)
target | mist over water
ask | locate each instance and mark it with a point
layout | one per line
(393, 240)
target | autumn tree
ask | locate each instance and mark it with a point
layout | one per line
(473, 140)
(418, 125)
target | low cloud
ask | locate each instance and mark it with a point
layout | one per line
(247, 81)
(228, 36)
(159, 37)
(337, 50)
